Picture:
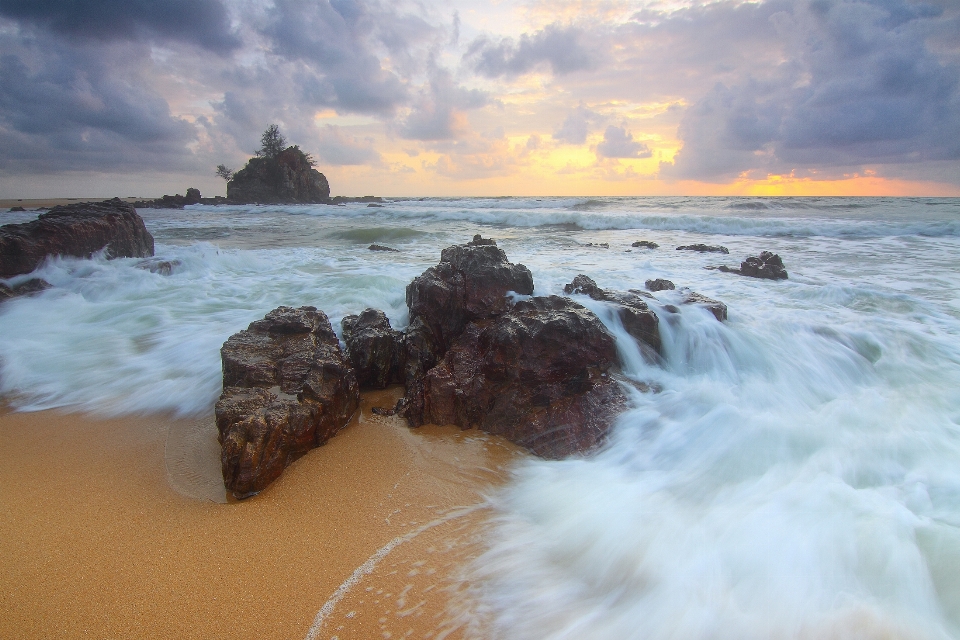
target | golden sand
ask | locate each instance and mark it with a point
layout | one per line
(358, 539)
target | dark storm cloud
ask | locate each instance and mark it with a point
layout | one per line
(858, 85)
(68, 111)
(204, 23)
(560, 47)
(619, 143)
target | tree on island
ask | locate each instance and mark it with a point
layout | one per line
(276, 174)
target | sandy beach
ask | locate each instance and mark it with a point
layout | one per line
(358, 539)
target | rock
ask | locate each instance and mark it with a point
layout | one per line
(374, 349)
(647, 244)
(287, 388)
(768, 265)
(33, 285)
(470, 283)
(638, 319)
(480, 241)
(287, 177)
(162, 267)
(74, 230)
(717, 308)
(601, 245)
(375, 205)
(539, 375)
(13, 209)
(659, 285)
(380, 247)
(704, 248)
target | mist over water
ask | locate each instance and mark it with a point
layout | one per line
(797, 475)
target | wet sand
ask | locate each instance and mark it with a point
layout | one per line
(358, 539)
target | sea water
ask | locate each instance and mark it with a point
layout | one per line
(793, 472)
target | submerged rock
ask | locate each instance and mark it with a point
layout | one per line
(78, 230)
(717, 308)
(645, 244)
(287, 388)
(33, 285)
(380, 247)
(374, 349)
(704, 248)
(538, 375)
(767, 265)
(637, 318)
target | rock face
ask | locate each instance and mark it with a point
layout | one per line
(74, 230)
(704, 248)
(638, 319)
(286, 178)
(536, 374)
(374, 349)
(287, 388)
(470, 283)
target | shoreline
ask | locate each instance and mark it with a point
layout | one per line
(98, 544)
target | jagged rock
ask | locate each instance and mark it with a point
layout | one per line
(287, 177)
(380, 247)
(646, 244)
(717, 308)
(638, 319)
(33, 285)
(659, 285)
(74, 230)
(768, 265)
(538, 374)
(287, 388)
(470, 283)
(479, 241)
(374, 349)
(704, 248)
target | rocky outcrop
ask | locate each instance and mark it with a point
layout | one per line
(380, 247)
(645, 244)
(287, 388)
(537, 374)
(74, 230)
(717, 308)
(374, 349)
(470, 283)
(659, 285)
(287, 177)
(767, 265)
(175, 201)
(637, 318)
(704, 248)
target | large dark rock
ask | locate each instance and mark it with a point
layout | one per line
(767, 265)
(470, 283)
(659, 284)
(74, 230)
(637, 318)
(538, 374)
(287, 388)
(375, 350)
(717, 308)
(31, 286)
(287, 177)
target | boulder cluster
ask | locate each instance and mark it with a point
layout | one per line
(480, 352)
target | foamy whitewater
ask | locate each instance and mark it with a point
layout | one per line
(796, 476)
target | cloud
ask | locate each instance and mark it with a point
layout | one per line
(439, 111)
(576, 126)
(618, 143)
(70, 112)
(858, 85)
(559, 47)
(337, 148)
(204, 23)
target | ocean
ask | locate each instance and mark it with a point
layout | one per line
(793, 473)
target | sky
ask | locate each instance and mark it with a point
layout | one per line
(486, 98)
